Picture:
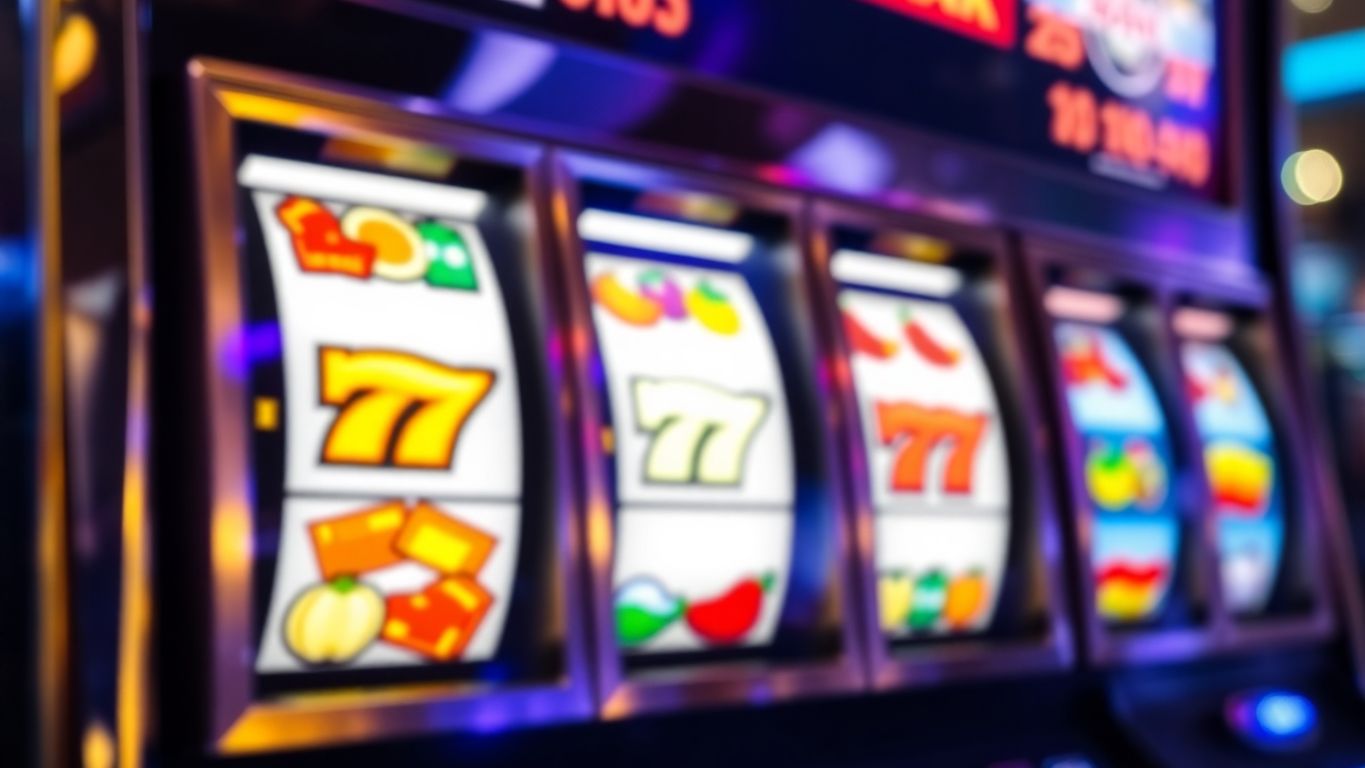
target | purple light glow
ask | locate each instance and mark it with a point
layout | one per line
(845, 158)
(500, 68)
(250, 345)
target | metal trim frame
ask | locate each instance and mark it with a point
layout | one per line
(239, 722)
(51, 627)
(935, 664)
(1221, 632)
(621, 695)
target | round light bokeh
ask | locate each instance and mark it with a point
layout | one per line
(1312, 176)
(1312, 6)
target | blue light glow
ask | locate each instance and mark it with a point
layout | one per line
(1326, 67)
(1285, 714)
(1273, 720)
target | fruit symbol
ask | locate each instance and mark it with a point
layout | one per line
(1108, 477)
(864, 341)
(966, 599)
(1221, 386)
(644, 608)
(895, 591)
(664, 291)
(929, 598)
(626, 305)
(907, 603)
(373, 242)
(660, 297)
(1128, 591)
(319, 243)
(332, 623)
(712, 309)
(1119, 477)
(1151, 472)
(400, 255)
(926, 346)
(1084, 362)
(451, 265)
(1240, 478)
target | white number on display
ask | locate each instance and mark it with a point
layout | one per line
(701, 434)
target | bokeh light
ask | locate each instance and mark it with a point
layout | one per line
(1312, 176)
(1312, 6)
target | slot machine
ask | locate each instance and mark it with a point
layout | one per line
(1192, 516)
(523, 382)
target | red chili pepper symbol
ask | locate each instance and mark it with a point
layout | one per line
(725, 620)
(864, 341)
(927, 346)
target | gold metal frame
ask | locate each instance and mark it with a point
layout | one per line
(222, 95)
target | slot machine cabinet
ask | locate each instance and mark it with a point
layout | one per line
(548, 112)
(717, 549)
(387, 541)
(1236, 670)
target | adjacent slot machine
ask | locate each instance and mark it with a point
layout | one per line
(964, 576)
(714, 521)
(390, 513)
(1276, 697)
(1199, 532)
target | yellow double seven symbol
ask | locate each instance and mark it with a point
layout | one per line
(396, 409)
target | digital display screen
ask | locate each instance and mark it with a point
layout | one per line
(1127, 467)
(1243, 471)
(400, 418)
(1130, 90)
(705, 469)
(937, 465)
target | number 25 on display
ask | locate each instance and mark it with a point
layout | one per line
(395, 409)
(915, 432)
(700, 433)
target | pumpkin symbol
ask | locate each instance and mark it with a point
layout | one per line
(332, 623)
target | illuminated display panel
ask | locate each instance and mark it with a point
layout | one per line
(705, 466)
(1131, 90)
(400, 416)
(1127, 467)
(932, 430)
(1243, 471)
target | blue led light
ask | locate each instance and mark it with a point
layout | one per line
(1285, 714)
(1327, 67)
(1273, 720)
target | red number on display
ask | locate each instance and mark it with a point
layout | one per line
(1054, 40)
(1074, 124)
(1187, 84)
(1128, 134)
(917, 431)
(670, 18)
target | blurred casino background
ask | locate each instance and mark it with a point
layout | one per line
(1325, 178)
